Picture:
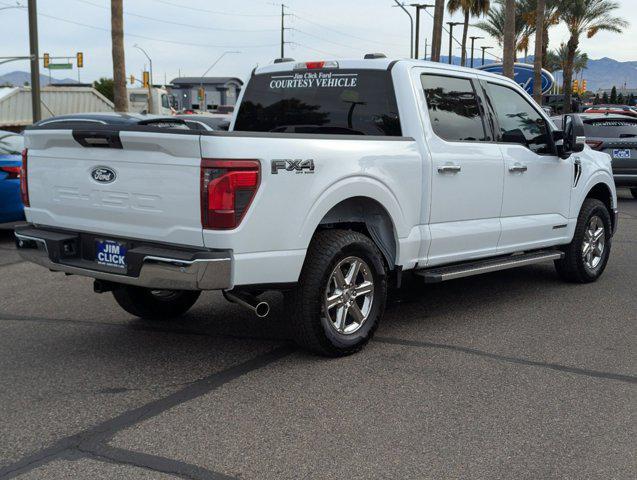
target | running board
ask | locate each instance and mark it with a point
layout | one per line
(442, 274)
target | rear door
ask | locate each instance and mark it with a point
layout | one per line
(467, 176)
(135, 184)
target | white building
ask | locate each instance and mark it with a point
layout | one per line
(15, 104)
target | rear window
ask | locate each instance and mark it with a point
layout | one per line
(611, 128)
(344, 102)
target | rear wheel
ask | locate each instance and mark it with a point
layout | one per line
(634, 192)
(155, 304)
(587, 255)
(341, 295)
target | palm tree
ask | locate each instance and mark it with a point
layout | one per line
(119, 66)
(556, 59)
(589, 17)
(436, 43)
(494, 26)
(509, 43)
(539, 42)
(551, 17)
(469, 8)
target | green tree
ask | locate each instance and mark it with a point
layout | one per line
(605, 99)
(585, 17)
(620, 99)
(470, 8)
(557, 59)
(494, 25)
(613, 95)
(631, 100)
(105, 87)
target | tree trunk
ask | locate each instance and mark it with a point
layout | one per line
(539, 46)
(119, 64)
(436, 43)
(509, 38)
(545, 44)
(567, 86)
(465, 31)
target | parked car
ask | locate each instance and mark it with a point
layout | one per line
(209, 122)
(612, 109)
(409, 166)
(11, 146)
(615, 135)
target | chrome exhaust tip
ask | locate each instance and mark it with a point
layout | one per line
(260, 308)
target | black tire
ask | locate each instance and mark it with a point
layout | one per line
(313, 328)
(573, 267)
(634, 192)
(158, 305)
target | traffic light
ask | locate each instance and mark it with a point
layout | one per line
(202, 94)
(132, 79)
(47, 60)
(583, 86)
(146, 79)
(80, 59)
(575, 86)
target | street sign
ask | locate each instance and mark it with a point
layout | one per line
(523, 75)
(60, 66)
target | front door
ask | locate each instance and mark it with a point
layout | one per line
(537, 183)
(467, 166)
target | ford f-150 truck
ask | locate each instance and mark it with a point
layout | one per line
(335, 178)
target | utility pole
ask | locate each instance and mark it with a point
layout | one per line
(483, 50)
(451, 25)
(283, 29)
(119, 64)
(419, 7)
(473, 39)
(35, 66)
(436, 37)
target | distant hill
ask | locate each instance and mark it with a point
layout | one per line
(602, 73)
(18, 78)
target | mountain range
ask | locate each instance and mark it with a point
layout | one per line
(602, 73)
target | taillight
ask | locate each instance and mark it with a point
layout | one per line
(318, 65)
(595, 144)
(13, 173)
(227, 190)
(24, 187)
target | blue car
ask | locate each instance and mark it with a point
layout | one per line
(11, 208)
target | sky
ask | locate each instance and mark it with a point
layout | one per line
(188, 36)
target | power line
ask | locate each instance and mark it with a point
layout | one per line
(323, 39)
(216, 12)
(316, 50)
(152, 39)
(343, 33)
(170, 22)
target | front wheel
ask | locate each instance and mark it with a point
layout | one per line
(341, 295)
(587, 255)
(155, 304)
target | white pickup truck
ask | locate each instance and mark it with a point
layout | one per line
(336, 177)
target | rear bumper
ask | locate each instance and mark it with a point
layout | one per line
(153, 266)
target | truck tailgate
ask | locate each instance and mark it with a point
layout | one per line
(147, 188)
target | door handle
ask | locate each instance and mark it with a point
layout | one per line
(449, 168)
(518, 167)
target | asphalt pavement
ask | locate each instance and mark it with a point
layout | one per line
(512, 375)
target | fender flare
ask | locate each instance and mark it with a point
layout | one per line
(346, 188)
(598, 177)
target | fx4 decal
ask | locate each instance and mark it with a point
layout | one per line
(297, 166)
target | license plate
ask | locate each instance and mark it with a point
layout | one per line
(621, 153)
(110, 253)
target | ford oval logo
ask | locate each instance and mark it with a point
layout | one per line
(103, 175)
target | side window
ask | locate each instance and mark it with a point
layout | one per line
(164, 101)
(519, 121)
(454, 109)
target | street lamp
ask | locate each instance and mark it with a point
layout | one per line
(150, 84)
(451, 25)
(419, 7)
(483, 50)
(473, 39)
(201, 90)
(411, 21)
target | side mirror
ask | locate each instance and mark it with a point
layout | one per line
(574, 138)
